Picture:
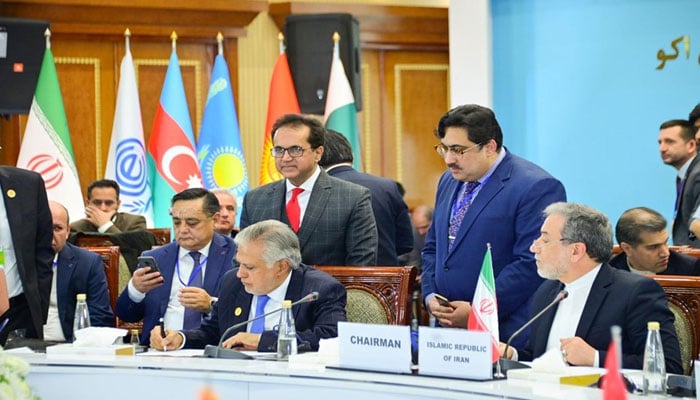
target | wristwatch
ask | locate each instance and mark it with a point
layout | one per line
(211, 304)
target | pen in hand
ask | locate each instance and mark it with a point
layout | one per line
(161, 323)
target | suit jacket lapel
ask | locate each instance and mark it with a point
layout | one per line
(296, 283)
(64, 273)
(13, 211)
(484, 197)
(217, 251)
(316, 207)
(168, 271)
(596, 298)
(540, 332)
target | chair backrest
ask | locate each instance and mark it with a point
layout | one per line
(110, 259)
(683, 294)
(376, 294)
(162, 235)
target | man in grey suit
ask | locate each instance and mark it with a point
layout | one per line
(332, 218)
(678, 149)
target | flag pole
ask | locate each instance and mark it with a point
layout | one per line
(220, 42)
(127, 36)
(47, 35)
(173, 38)
(280, 40)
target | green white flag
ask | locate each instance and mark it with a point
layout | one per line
(46, 147)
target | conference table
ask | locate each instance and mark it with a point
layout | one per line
(126, 377)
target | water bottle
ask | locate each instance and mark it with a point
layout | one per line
(287, 335)
(135, 341)
(81, 319)
(654, 370)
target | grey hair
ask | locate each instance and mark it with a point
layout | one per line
(225, 191)
(586, 225)
(279, 241)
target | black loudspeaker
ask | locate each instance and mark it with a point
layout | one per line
(22, 45)
(310, 52)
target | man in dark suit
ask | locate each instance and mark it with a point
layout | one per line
(488, 195)
(77, 271)
(226, 223)
(641, 233)
(678, 149)
(270, 272)
(191, 267)
(25, 218)
(101, 211)
(333, 218)
(390, 211)
(574, 243)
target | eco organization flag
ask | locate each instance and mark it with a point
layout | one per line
(483, 315)
(219, 147)
(46, 147)
(126, 161)
(341, 113)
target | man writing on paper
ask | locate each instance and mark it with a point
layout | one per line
(186, 286)
(572, 250)
(270, 271)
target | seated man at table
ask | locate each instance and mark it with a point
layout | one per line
(185, 288)
(571, 252)
(102, 211)
(643, 238)
(270, 271)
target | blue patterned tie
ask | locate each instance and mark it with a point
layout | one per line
(258, 326)
(463, 202)
(193, 318)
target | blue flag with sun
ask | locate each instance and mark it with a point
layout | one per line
(219, 148)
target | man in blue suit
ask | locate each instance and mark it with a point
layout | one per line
(390, 211)
(488, 196)
(186, 287)
(76, 271)
(270, 272)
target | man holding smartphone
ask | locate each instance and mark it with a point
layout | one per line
(185, 285)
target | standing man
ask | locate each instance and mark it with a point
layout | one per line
(25, 239)
(226, 223)
(488, 195)
(390, 211)
(186, 287)
(76, 271)
(270, 272)
(333, 218)
(101, 211)
(421, 218)
(694, 119)
(571, 252)
(678, 149)
(643, 238)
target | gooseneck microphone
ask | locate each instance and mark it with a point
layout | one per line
(506, 363)
(220, 352)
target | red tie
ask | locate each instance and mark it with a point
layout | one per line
(293, 209)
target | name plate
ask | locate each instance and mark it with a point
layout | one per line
(375, 347)
(454, 353)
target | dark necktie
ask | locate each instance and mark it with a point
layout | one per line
(193, 318)
(293, 209)
(258, 326)
(464, 200)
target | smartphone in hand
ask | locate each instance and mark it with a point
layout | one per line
(148, 261)
(442, 300)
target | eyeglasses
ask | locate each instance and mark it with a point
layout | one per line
(455, 150)
(98, 202)
(293, 151)
(537, 246)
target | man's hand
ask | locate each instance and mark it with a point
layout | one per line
(145, 280)
(98, 217)
(502, 348)
(171, 341)
(244, 340)
(577, 352)
(454, 317)
(195, 298)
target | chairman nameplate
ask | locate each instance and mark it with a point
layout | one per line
(375, 347)
(454, 353)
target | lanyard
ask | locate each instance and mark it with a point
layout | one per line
(197, 270)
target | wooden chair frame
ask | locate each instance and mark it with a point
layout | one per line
(391, 286)
(110, 258)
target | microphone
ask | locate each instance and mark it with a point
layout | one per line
(506, 363)
(220, 352)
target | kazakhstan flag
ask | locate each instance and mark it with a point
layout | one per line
(219, 148)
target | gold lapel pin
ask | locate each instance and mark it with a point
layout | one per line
(238, 311)
(11, 194)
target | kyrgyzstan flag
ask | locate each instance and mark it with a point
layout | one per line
(171, 156)
(282, 100)
(483, 315)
